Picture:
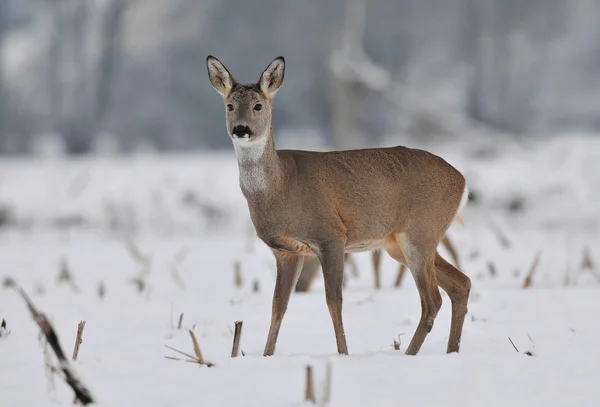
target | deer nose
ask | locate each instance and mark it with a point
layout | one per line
(241, 131)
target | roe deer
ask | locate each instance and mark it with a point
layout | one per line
(323, 204)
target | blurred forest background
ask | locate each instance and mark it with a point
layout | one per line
(91, 76)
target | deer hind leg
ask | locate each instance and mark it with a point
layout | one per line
(332, 263)
(289, 267)
(447, 244)
(420, 257)
(450, 247)
(457, 286)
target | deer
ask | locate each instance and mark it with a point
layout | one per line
(327, 203)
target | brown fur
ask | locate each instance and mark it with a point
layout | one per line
(399, 199)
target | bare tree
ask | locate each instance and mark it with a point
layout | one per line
(54, 68)
(80, 81)
(110, 52)
(3, 104)
(353, 74)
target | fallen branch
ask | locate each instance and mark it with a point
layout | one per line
(193, 359)
(197, 350)
(528, 353)
(78, 339)
(82, 394)
(513, 344)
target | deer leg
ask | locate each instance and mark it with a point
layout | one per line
(288, 271)
(448, 244)
(376, 259)
(401, 272)
(421, 264)
(332, 263)
(349, 260)
(458, 286)
(308, 274)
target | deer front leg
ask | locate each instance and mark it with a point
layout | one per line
(288, 270)
(332, 263)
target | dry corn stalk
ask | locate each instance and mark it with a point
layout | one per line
(236, 338)
(309, 395)
(532, 269)
(78, 339)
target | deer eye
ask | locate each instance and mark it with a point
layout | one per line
(230, 107)
(257, 107)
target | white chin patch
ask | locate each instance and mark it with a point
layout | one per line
(245, 139)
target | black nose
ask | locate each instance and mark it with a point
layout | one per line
(241, 131)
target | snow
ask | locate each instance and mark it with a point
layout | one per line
(122, 357)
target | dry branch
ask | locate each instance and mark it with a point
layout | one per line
(78, 339)
(236, 338)
(65, 276)
(504, 242)
(197, 349)
(237, 274)
(180, 321)
(195, 359)
(532, 269)
(82, 394)
(513, 344)
(309, 394)
(588, 264)
(528, 353)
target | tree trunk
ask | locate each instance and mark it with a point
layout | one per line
(3, 103)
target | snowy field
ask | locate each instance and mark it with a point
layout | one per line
(147, 238)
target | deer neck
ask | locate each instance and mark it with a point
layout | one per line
(261, 172)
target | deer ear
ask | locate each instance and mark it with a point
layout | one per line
(219, 76)
(271, 79)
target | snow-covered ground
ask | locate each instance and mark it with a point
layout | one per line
(187, 217)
